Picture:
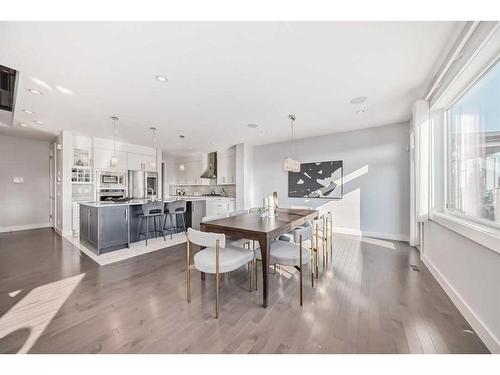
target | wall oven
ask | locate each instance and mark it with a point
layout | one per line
(111, 179)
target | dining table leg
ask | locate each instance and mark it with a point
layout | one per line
(264, 251)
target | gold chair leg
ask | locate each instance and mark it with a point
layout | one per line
(250, 272)
(188, 274)
(217, 279)
(256, 274)
(301, 267)
(316, 258)
(311, 265)
(254, 264)
(331, 239)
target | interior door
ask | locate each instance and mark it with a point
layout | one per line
(52, 189)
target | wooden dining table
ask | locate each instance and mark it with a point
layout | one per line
(252, 226)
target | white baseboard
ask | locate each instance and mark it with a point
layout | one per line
(383, 236)
(63, 234)
(16, 228)
(489, 339)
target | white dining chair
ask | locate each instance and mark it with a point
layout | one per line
(294, 254)
(215, 259)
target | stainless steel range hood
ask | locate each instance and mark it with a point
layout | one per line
(211, 171)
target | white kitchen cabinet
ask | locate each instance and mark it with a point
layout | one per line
(140, 162)
(191, 175)
(102, 159)
(220, 206)
(149, 163)
(226, 167)
(76, 218)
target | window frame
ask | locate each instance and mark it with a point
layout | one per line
(484, 232)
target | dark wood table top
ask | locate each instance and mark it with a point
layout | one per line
(252, 222)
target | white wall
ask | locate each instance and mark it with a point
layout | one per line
(470, 274)
(376, 178)
(244, 176)
(24, 206)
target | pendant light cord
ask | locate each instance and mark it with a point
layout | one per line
(114, 138)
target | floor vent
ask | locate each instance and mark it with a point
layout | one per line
(414, 268)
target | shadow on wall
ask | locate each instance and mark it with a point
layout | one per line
(349, 207)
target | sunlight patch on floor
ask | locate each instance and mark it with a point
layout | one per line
(15, 293)
(37, 309)
(377, 242)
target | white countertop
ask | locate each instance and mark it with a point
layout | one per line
(170, 199)
(216, 197)
(132, 202)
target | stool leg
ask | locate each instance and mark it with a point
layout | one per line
(138, 229)
(162, 230)
(147, 229)
(175, 223)
(183, 223)
(154, 225)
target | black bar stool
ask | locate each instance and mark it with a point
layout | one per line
(175, 208)
(154, 210)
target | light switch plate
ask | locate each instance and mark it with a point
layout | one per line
(18, 180)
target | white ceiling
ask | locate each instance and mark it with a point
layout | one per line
(222, 76)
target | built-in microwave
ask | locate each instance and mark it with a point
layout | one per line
(111, 179)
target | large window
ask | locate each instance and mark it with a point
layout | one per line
(473, 157)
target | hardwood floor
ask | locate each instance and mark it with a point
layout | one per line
(54, 299)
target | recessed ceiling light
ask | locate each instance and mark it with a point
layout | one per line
(38, 122)
(358, 100)
(252, 126)
(36, 92)
(360, 111)
(27, 111)
(213, 142)
(161, 78)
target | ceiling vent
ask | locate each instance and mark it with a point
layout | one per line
(7, 94)
(211, 171)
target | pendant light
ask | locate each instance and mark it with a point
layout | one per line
(289, 164)
(152, 164)
(114, 159)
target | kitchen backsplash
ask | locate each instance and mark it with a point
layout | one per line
(191, 190)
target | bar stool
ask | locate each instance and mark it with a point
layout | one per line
(175, 208)
(154, 210)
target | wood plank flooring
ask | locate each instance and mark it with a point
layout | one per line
(54, 299)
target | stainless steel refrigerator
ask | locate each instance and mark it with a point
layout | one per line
(142, 184)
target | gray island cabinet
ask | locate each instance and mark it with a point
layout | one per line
(104, 228)
(108, 226)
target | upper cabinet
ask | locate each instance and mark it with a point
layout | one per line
(102, 159)
(189, 169)
(189, 172)
(226, 166)
(140, 162)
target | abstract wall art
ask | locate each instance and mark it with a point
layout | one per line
(317, 180)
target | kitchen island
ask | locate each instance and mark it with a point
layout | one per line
(110, 226)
